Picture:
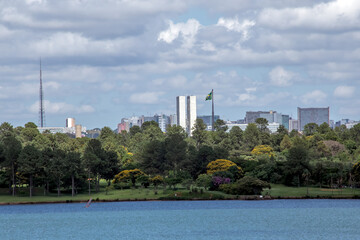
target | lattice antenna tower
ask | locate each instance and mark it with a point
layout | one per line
(42, 109)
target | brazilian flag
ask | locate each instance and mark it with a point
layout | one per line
(209, 96)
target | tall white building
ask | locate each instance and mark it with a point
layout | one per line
(70, 122)
(180, 111)
(191, 113)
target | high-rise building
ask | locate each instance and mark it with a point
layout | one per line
(70, 122)
(173, 119)
(293, 124)
(78, 129)
(191, 113)
(180, 111)
(270, 116)
(313, 115)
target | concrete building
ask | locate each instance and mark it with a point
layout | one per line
(181, 111)
(78, 131)
(270, 116)
(70, 122)
(173, 119)
(191, 113)
(163, 121)
(313, 115)
(293, 124)
(273, 127)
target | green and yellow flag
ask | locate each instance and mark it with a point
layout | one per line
(209, 96)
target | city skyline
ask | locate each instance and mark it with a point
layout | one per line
(102, 63)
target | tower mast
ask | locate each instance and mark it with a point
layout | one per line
(41, 111)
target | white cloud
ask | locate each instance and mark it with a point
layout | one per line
(315, 96)
(335, 15)
(280, 77)
(208, 46)
(187, 30)
(146, 97)
(61, 108)
(233, 24)
(344, 91)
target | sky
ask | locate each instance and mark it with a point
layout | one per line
(107, 60)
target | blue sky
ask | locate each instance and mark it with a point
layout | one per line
(103, 62)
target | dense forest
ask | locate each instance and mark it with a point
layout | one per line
(220, 159)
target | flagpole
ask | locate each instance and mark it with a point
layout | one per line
(212, 98)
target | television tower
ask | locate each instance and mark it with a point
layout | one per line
(41, 110)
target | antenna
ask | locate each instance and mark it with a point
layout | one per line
(41, 110)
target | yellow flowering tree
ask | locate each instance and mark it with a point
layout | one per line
(156, 180)
(221, 165)
(263, 150)
(127, 175)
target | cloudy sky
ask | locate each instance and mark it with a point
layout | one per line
(110, 59)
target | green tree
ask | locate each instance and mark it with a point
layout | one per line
(297, 162)
(262, 124)
(251, 136)
(199, 133)
(29, 159)
(204, 180)
(175, 146)
(11, 151)
(74, 168)
(310, 129)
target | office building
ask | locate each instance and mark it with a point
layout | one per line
(270, 116)
(180, 111)
(313, 115)
(191, 113)
(293, 124)
(70, 122)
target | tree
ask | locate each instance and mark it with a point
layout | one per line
(175, 146)
(221, 165)
(156, 180)
(199, 133)
(152, 157)
(285, 143)
(251, 136)
(262, 124)
(73, 164)
(134, 130)
(11, 150)
(297, 162)
(263, 150)
(29, 159)
(58, 168)
(310, 129)
(204, 180)
(128, 175)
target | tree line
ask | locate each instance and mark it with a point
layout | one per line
(56, 162)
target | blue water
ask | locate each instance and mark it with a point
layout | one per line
(275, 219)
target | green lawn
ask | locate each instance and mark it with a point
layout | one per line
(278, 190)
(115, 195)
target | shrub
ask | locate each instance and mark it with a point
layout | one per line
(245, 186)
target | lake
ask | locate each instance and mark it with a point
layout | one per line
(273, 219)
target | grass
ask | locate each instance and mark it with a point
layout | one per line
(112, 195)
(276, 191)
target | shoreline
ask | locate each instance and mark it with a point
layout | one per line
(240, 198)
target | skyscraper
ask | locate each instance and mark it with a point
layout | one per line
(313, 115)
(191, 113)
(180, 111)
(186, 115)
